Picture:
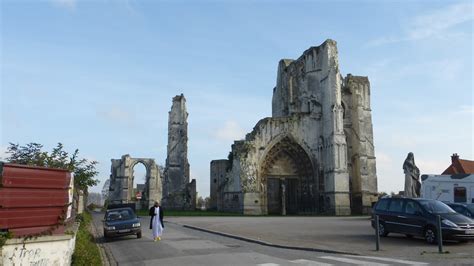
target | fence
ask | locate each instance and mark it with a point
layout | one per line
(34, 200)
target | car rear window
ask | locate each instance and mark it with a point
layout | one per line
(382, 205)
(118, 215)
(396, 205)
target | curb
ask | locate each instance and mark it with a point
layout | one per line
(105, 254)
(263, 243)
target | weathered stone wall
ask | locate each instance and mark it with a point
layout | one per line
(232, 202)
(218, 181)
(177, 190)
(42, 250)
(359, 133)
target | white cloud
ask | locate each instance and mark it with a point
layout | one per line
(390, 72)
(465, 109)
(67, 4)
(384, 159)
(129, 6)
(230, 132)
(115, 114)
(429, 166)
(437, 23)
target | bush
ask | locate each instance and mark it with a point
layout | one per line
(4, 236)
(86, 251)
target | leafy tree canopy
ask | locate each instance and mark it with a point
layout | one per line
(33, 154)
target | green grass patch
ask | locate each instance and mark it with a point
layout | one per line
(191, 213)
(217, 213)
(86, 252)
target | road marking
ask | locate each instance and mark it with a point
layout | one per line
(268, 264)
(390, 260)
(310, 262)
(357, 262)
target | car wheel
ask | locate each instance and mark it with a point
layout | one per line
(430, 235)
(139, 235)
(409, 236)
(382, 230)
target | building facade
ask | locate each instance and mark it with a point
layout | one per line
(314, 155)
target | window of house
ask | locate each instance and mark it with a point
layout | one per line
(460, 194)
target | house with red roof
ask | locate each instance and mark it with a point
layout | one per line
(459, 166)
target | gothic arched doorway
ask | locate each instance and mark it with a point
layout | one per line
(291, 186)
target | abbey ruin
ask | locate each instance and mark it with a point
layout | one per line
(315, 155)
(178, 192)
(172, 188)
(122, 179)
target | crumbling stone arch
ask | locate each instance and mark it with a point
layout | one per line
(121, 181)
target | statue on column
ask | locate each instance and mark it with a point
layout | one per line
(412, 177)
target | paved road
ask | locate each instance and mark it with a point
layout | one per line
(345, 234)
(184, 246)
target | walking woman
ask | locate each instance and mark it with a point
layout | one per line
(156, 221)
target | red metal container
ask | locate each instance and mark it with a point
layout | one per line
(33, 200)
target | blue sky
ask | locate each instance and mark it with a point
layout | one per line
(100, 75)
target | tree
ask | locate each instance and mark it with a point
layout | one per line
(33, 154)
(201, 203)
(207, 201)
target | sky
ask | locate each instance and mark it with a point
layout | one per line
(99, 75)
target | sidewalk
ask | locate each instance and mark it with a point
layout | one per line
(352, 235)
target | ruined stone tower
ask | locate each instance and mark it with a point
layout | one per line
(178, 192)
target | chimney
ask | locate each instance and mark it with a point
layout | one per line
(454, 157)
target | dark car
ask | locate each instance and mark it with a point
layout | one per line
(121, 222)
(418, 217)
(464, 209)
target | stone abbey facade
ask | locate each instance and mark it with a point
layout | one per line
(314, 155)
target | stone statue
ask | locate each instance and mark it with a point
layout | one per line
(412, 177)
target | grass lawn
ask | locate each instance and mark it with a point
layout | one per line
(191, 213)
(86, 251)
(216, 213)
